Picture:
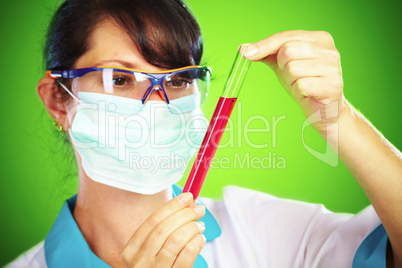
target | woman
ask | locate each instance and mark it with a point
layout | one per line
(125, 216)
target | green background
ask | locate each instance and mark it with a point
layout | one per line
(34, 161)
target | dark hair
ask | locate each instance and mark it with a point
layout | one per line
(164, 31)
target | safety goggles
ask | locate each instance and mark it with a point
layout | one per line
(191, 82)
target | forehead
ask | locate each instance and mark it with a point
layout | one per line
(109, 44)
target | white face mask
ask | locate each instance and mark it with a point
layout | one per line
(142, 151)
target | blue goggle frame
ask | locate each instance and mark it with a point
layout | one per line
(156, 77)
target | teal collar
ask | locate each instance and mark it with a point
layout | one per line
(66, 247)
(372, 252)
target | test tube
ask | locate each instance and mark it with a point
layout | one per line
(218, 124)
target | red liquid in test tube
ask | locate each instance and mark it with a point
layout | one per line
(210, 144)
(217, 125)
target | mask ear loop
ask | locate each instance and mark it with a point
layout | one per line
(69, 92)
(69, 133)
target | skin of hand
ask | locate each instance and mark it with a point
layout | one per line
(170, 237)
(308, 66)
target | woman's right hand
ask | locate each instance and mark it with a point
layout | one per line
(170, 237)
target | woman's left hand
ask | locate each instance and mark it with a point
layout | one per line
(308, 66)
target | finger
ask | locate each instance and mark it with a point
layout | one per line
(176, 204)
(296, 69)
(273, 43)
(301, 50)
(165, 228)
(189, 253)
(318, 88)
(295, 50)
(177, 241)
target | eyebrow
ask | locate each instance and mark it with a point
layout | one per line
(121, 62)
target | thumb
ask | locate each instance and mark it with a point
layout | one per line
(270, 60)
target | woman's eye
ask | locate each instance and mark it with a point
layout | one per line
(179, 83)
(121, 81)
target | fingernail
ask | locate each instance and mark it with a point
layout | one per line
(186, 198)
(199, 209)
(251, 51)
(201, 225)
